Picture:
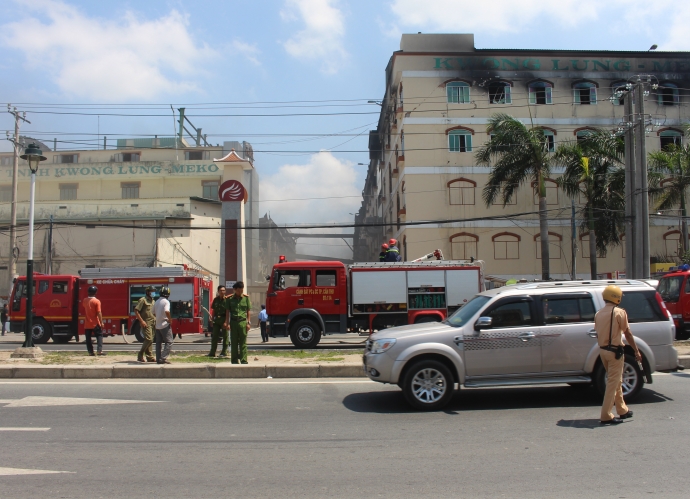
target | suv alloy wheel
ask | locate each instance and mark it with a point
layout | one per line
(428, 385)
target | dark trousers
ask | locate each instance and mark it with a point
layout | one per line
(98, 333)
(264, 334)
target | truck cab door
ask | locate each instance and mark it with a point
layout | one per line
(330, 299)
(293, 289)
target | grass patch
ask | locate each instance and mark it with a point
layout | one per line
(195, 358)
(320, 355)
(64, 357)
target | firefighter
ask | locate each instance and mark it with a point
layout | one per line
(147, 323)
(611, 324)
(382, 255)
(238, 318)
(393, 254)
(219, 308)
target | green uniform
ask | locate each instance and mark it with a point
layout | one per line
(145, 309)
(219, 307)
(239, 309)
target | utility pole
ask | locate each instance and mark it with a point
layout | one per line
(642, 233)
(49, 253)
(631, 268)
(573, 236)
(14, 254)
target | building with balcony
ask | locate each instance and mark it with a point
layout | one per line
(440, 93)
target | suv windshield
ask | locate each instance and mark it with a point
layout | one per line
(669, 288)
(467, 311)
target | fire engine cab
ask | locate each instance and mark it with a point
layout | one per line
(308, 299)
(674, 288)
(59, 313)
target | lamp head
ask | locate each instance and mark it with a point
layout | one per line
(33, 155)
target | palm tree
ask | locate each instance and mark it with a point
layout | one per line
(594, 170)
(673, 162)
(517, 154)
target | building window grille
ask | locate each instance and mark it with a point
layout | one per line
(461, 191)
(669, 138)
(130, 190)
(668, 95)
(68, 192)
(506, 246)
(460, 141)
(458, 92)
(585, 93)
(540, 92)
(463, 246)
(555, 249)
(499, 93)
(210, 190)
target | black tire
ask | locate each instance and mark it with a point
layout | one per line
(682, 334)
(427, 318)
(633, 380)
(41, 331)
(136, 331)
(305, 333)
(428, 385)
(61, 339)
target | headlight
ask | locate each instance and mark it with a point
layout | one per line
(380, 346)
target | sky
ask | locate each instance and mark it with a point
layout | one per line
(296, 58)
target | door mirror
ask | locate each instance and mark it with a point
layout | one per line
(482, 323)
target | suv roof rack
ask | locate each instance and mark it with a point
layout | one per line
(593, 282)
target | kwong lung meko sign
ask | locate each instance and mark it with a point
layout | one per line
(135, 170)
(499, 63)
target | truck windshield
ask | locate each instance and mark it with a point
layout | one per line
(669, 288)
(465, 313)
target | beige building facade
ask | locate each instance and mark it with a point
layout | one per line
(440, 93)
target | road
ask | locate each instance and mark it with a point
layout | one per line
(191, 342)
(334, 438)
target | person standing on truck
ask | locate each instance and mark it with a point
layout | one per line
(263, 317)
(3, 319)
(611, 323)
(393, 253)
(147, 323)
(238, 318)
(164, 333)
(382, 255)
(219, 310)
(93, 322)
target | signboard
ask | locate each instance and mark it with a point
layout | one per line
(229, 284)
(232, 190)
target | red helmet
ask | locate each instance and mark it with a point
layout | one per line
(384, 246)
(393, 242)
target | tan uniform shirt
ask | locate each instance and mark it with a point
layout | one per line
(602, 325)
(144, 307)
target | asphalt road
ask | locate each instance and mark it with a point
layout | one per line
(336, 438)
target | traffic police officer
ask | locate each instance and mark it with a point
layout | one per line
(611, 323)
(147, 323)
(238, 319)
(219, 308)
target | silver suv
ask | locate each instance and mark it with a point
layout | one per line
(532, 334)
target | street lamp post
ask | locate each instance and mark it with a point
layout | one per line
(33, 155)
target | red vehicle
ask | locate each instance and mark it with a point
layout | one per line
(308, 299)
(674, 288)
(59, 313)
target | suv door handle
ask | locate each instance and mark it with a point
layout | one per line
(592, 333)
(526, 336)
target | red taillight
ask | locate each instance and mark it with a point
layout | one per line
(661, 303)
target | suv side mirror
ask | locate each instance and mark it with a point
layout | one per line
(482, 323)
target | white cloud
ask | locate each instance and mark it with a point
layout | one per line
(677, 36)
(127, 58)
(322, 37)
(497, 16)
(333, 181)
(248, 50)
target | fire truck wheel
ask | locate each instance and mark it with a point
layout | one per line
(305, 334)
(136, 331)
(41, 331)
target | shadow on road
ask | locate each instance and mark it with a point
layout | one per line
(588, 424)
(495, 399)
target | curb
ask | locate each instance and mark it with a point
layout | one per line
(182, 371)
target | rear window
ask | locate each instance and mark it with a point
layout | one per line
(641, 306)
(669, 288)
(568, 309)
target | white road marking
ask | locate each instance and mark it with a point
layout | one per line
(24, 429)
(19, 471)
(58, 401)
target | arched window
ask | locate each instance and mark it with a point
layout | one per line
(540, 92)
(582, 134)
(668, 95)
(555, 249)
(585, 92)
(506, 246)
(551, 192)
(463, 246)
(672, 244)
(458, 92)
(461, 191)
(670, 137)
(460, 140)
(499, 92)
(584, 246)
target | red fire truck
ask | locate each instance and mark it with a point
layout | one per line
(59, 314)
(307, 299)
(674, 288)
